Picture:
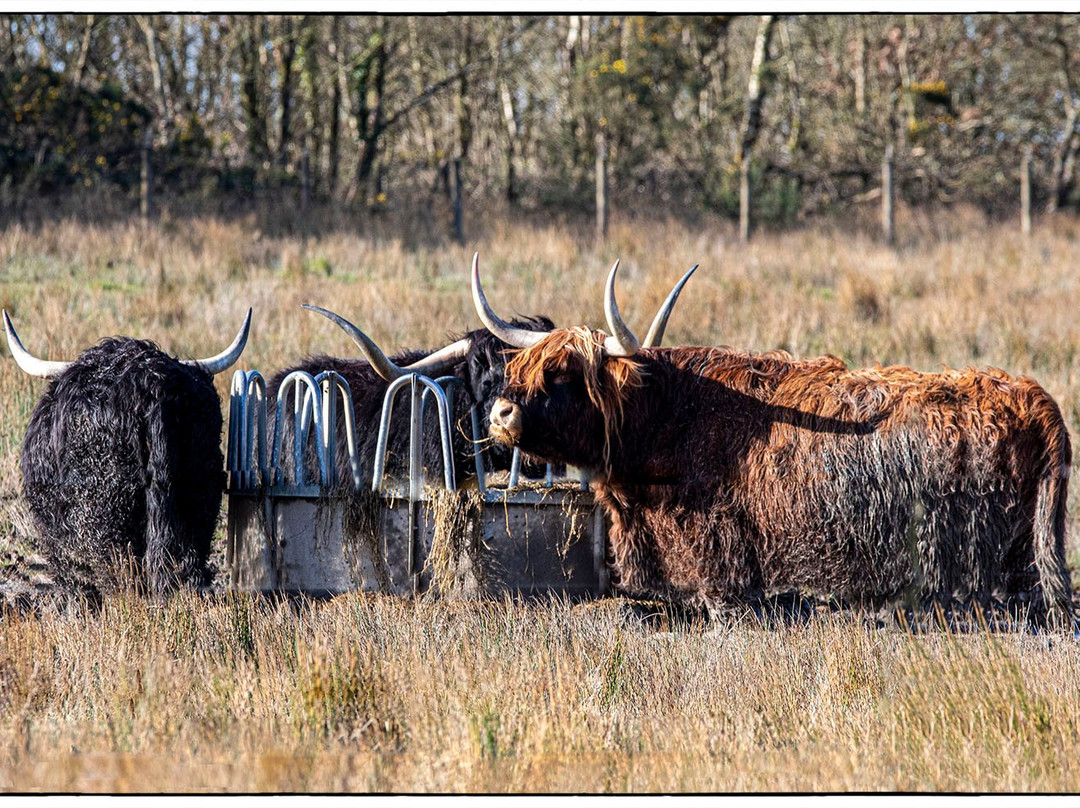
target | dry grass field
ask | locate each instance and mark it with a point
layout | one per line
(228, 691)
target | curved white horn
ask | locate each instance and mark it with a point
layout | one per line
(44, 368)
(383, 366)
(443, 359)
(227, 358)
(659, 323)
(622, 341)
(517, 337)
(431, 365)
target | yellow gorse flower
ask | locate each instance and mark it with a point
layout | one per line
(938, 87)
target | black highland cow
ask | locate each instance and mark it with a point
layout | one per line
(122, 462)
(728, 476)
(481, 370)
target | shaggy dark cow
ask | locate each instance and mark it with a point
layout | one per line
(729, 475)
(478, 359)
(122, 462)
(481, 372)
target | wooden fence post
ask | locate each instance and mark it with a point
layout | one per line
(146, 179)
(601, 189)
(745, 223)
(1025, 192)
(305, 180)
(888, 224)
(458, 201)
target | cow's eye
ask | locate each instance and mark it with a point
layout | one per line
(560, 378)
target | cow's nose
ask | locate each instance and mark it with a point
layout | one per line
(506, 415)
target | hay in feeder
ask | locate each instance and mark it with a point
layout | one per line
(459, 561)
(361, 532)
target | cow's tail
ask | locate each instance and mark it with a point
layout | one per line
(166, 562)
(1049, 527)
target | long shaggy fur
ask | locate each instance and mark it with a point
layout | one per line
(122, 466)
(731, 475)
(481, 372)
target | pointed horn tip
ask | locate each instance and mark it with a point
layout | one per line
(12, 335)
(329, 315)
(43, 368)
(242, 334)
(686, 277)
(624, 343)
(9, 331)
(511, 335)
(230, 356)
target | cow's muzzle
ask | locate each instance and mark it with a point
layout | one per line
(505, 421)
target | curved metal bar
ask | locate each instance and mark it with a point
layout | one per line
(325, 437)
(444, 428)
(416, 421)
(328, 377)
(311, 395)
(247, 427)
(384, 427)
(478, 453)
(237, 394)
(253, 443)
(256, 378)
(515, 468)
(445, 383)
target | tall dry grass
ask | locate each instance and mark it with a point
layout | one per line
(237, 692)
(376, 694)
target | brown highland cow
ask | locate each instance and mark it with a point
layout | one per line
(729, 475)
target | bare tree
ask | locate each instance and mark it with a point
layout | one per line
(751, 122)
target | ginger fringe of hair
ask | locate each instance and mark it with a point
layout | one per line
(608, 379)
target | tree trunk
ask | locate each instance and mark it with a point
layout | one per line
(334, 146)
(416, 79)
(905, 97)
(463, 129)
(84, 51)
(888, 231)
(860, 67)
(510, 119)
(258, 146)
(796, 91)
(751, 121)
(370, 72)
(11, 53)
(509, 113)
(601, 189)
(286, 57)
(1025, 192)
(161, 93)
(146, 177)
(570, 84)
(313, 136)
(459, 200)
